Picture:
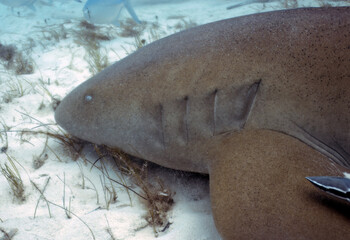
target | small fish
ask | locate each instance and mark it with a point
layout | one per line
(107, 11)
(19, 3)
(336, 186)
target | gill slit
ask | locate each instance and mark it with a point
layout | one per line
(186, 119)
(214, 110)
(162, 122)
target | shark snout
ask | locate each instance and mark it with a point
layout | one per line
(63, 116)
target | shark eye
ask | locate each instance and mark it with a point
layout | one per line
(88, 98)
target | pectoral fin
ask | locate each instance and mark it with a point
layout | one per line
(258, 189)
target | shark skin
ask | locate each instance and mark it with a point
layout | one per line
(183, 101)
(258, 189)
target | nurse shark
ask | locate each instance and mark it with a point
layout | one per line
(258, 102)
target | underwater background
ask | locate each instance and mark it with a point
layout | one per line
(48, 190)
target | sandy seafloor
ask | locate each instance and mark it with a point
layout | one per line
(60, 64)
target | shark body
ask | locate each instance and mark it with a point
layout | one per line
(242, 99)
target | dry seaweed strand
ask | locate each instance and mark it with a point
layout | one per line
(89, 36)
(64, 208)
(153, 196)
(13, 178)
(158, 199)
(8, 235)
(6, 128)
(85, 34)
(129, 28)
(15, 61)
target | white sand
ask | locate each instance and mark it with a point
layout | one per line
(61, 66)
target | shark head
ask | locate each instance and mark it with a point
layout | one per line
(163, 101)
(109, 109)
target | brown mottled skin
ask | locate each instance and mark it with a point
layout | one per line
(259, 102)
(264, 194)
